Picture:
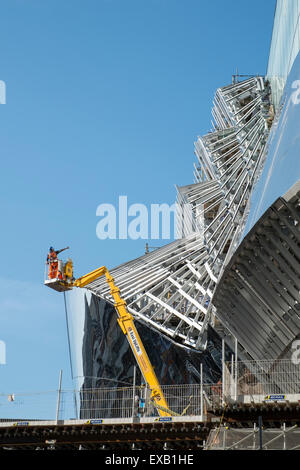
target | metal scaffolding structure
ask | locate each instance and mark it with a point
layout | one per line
(257, 381)
(170, 289)
(226, 438)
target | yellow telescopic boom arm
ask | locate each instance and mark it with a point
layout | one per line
(126, 322)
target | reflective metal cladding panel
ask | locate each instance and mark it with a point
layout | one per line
(282, 166)
(101, 355)
(258, 295)
(285, 45)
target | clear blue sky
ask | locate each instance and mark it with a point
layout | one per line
(104, 98)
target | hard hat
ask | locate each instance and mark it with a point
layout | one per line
(51, 248)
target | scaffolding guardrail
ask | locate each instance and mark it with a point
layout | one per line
(260, 378)
(89, 403)
(245, 382)
(286, 438)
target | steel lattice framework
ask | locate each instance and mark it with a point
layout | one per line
(170, 289)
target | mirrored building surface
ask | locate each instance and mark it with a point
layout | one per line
(101, 356)
(285, 45)
(262, 277)
(233, 271)
(282, 167)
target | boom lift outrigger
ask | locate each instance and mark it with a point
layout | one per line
(126, 322)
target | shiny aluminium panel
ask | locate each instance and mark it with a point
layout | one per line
(102, 359)
(101, 355)
(258, 296)
(282, 165)
(285, 45)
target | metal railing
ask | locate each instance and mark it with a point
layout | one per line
(125, 402)
(261, 378)
(252, 381)
(286, 438)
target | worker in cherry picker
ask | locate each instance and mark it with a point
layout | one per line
(52, 261)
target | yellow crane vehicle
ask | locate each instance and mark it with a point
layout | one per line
(66, 281)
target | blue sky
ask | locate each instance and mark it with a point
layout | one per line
(104, 98)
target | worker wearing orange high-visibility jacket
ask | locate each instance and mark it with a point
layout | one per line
(53, 263)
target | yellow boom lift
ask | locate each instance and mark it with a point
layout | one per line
(126, 322)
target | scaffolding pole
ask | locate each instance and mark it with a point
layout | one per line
(133, 391)
(283, 433)
(58, 396)
(201, 390)
(223, 372)
(236, 369)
